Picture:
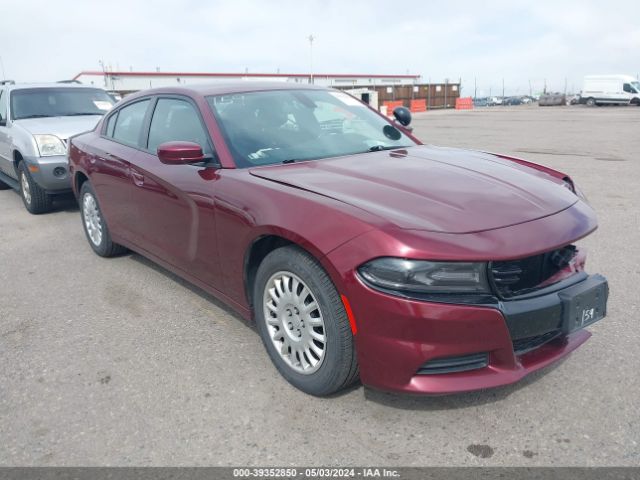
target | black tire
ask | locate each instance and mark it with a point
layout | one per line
(105, 247)
(591, 102)
(34, 197)
(338, 368)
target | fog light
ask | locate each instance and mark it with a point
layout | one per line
(59, 172)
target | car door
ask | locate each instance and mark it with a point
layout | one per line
(174, 203)
(118, 145)
(628, 91)
(6, 165)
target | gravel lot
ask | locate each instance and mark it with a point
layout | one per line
(118, 362)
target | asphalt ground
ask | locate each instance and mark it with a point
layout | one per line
(118, 362)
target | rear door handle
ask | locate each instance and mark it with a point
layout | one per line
(138, 178)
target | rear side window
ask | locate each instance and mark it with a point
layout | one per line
(174, 119)
(111, 124)
(128, 123)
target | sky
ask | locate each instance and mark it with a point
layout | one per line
(483, 43)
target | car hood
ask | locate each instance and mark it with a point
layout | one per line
(431, 188)
(61, 127)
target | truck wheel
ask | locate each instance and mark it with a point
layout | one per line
(591, 102)
(35, 199)
(303, 323)
(95, 227)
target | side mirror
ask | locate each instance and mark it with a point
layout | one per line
(180, 153)
(402, 115)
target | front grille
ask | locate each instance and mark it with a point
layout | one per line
(524, 345)
(454, 364)
(517, 277)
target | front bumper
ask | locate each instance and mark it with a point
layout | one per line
(397, 337)
(51, 173)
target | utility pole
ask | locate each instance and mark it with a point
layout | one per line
(4, 75)
(104, 73)
(503, 88)
(530, 90)
(475, 88)
(311, 38)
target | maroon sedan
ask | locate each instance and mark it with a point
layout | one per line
(358, 251)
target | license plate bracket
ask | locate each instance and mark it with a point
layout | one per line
(584, 304)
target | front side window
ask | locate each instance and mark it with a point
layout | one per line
(59, 102)
(627, 88)
(129, 121)
(263, 128)
(174, 119)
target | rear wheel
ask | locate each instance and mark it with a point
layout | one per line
(303, 323)
(34, 197)
(95, 228)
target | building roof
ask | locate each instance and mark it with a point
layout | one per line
(232, 74)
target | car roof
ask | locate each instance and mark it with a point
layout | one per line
(225, 88)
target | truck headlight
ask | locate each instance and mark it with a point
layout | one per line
(49, 145)
(422, 276)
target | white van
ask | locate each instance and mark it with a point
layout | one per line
(610, 89)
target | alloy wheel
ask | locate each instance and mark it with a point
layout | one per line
(294, 322)
(92, 219)
(26, 189)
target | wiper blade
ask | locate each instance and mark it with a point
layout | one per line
(378, 148)
(79, 113)
(37, 115)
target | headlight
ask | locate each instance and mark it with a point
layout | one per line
(50, 145)
(570, 184)
(425, 277)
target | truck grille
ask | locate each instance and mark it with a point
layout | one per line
(517, 277)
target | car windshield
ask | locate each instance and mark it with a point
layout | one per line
(59, 102)
(268, 127)
(636, 86)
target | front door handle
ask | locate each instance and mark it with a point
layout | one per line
(138, 178)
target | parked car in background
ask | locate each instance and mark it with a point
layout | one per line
(610, 90)
(356, 249)
(509, 101)
(35, 124)
(493, 101)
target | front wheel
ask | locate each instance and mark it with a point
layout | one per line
(34, 197)
(591, 102)
(95, 228)
(303, 323)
